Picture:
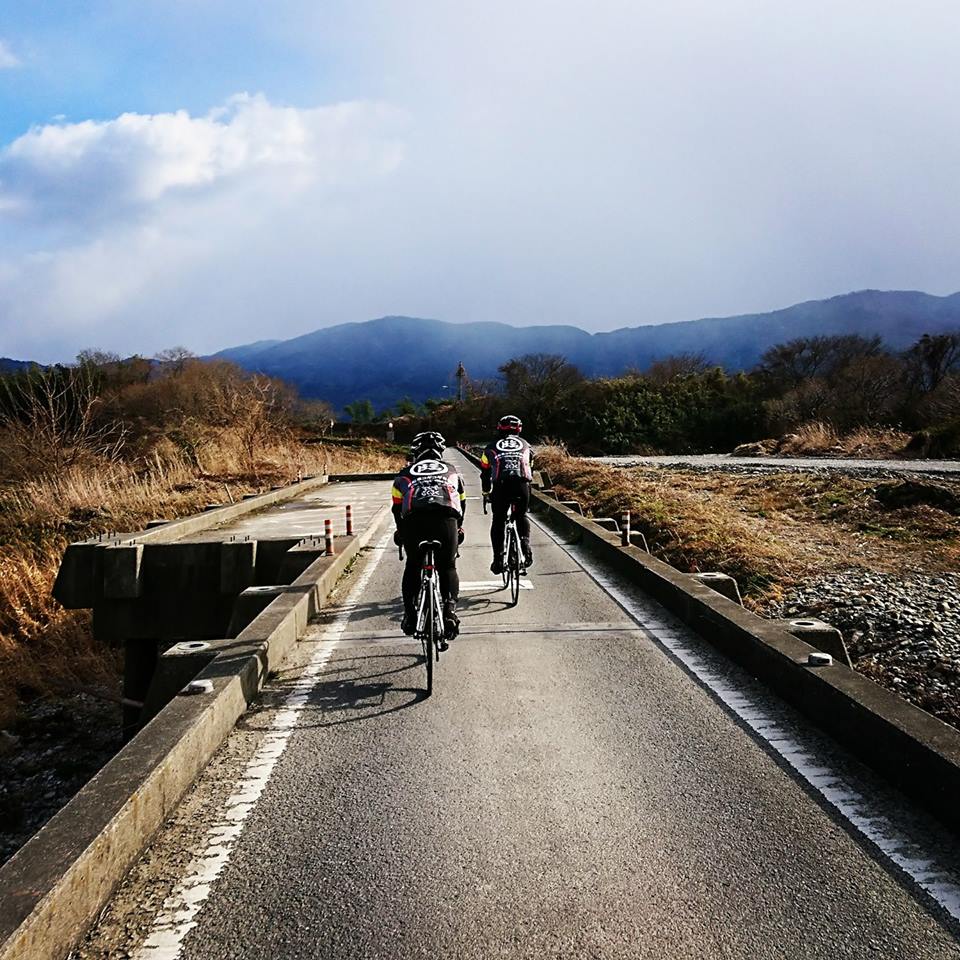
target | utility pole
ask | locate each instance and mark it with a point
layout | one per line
(461, 381)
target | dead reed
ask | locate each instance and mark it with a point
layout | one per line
(45, 649)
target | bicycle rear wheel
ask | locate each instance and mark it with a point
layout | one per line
(430, 648)
(513, 563)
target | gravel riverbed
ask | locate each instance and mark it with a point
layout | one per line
(902, 631)
(748, 465)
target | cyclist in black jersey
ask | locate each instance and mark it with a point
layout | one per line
(506, 472)
(429, 502)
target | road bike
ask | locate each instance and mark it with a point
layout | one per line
(512, 564)
(429, 627)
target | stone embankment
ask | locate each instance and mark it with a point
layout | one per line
(901, 630)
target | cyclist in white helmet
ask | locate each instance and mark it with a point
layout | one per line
(429, 502)
(506, 472)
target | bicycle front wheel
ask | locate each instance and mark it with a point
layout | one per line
(514, 570)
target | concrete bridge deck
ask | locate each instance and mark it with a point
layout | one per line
(586, 781)
(303, 516)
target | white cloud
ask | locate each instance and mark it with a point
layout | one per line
(97, 170)
(631, 162)
(138, 231)
(8, 59)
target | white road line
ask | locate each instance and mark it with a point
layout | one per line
(178, 916)
(861, 812)
(490, 585)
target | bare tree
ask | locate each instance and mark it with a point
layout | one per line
(931, 359)
(806, 357)
(256, 408)
(174, 359)
(678, 365)
(538, 384)
(51, 419)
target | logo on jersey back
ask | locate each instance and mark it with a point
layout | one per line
(509, 445)
(428, 468)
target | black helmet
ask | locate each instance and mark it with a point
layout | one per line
(509, 424)
(428, 445)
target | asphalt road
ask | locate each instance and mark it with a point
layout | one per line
(722, 461)
(570, 790)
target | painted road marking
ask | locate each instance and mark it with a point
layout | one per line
(178, 916)
(573, 631)
(470, 585)
(862, 813)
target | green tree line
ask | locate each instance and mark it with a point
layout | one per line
(683, 404)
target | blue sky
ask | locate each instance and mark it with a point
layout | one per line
(95, 60)
(208, 172)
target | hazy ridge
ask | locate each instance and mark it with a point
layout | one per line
(392, 357)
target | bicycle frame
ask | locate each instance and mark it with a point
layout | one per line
(429, 599)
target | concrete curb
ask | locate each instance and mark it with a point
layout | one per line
(348, 477)
(56, 884)
(917, 752)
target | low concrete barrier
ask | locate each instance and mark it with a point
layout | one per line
(57, 883)
(917, 752)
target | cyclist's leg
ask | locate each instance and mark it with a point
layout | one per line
(412, 537)
(446, 560)
(499, 505)
(521, 499)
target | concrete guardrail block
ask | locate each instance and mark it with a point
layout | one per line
(821, 635)
(721, 582)
(238, 565)
(300, 556)
(121, 571)
(249, 605)
(175, 668)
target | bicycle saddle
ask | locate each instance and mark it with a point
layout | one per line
(429, 544)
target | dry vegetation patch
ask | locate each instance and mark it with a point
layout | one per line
(874, 557)
(773, 531)
(45, 649)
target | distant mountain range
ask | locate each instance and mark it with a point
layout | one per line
(386, 359)
(12, 366)
(392, 357)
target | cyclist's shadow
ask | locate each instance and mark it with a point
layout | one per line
(348, 694)
(478, 604)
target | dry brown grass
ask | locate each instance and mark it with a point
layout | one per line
(817, 439)
(810, 439)
(769, 531)
(681, 526)
(45, 649)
